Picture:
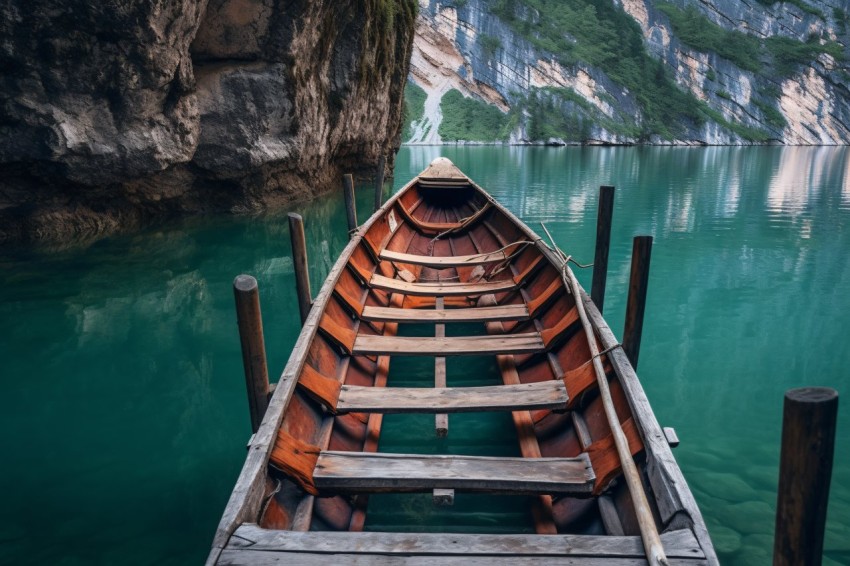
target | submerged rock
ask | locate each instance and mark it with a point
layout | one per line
(114, 114)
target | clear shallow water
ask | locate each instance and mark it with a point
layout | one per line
(122, 401)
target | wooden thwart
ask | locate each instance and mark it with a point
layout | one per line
(527, 343)
(679, 544)
(442, 289)
(480, 314)
(444, 261)
(353, 472)
(543, 395)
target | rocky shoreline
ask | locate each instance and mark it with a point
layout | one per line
(115, 116)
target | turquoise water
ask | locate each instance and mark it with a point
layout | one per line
(122, 401)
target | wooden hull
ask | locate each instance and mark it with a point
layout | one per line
(439, 252)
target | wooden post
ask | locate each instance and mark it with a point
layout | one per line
(379, 182)
(250, 323)
(299, 259)
(638, 283)
(603, 242)
(805, 469)
(350, 204)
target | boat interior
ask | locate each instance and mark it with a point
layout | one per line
(441, 256)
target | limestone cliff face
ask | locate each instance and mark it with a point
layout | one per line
(447, 54)
(112, 114)
(814, 101)
(470, 47)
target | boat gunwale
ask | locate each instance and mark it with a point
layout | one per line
(671, 493)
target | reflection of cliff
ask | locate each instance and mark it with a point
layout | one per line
(116, 114)
(800, 176)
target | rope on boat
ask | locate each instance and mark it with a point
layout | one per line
(554, 247)
(602, 353)
(270, 496)
(653, 548)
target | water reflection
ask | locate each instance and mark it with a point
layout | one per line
(122, 365)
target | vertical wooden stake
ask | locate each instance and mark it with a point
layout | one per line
(250, 323)
(603, 242)
(379, 182)
(350, 205)
(299, 259)
(636, 305)
(805, 469)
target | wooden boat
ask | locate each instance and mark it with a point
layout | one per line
(441, 252)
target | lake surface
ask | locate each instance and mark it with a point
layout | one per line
(122, 400)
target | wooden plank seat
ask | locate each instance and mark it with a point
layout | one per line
(550, 394)
(358, 472)
(436, 547)
(526, 343)
(441, 289)
(440, 262)
(480, 314)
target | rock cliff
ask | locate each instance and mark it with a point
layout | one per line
(635, 71)
(116, 113)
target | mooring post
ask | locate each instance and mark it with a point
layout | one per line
(299, 259)
(603, 242)
(250, 323)
(805, 468)
(379, 182)
(636, 305)
(350, 205)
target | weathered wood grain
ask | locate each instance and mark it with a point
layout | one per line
(636, 302)
(268, 558)
(350, 202)
(671, 436)
(809, 419)
(527, 343)
(523, 396)
(541, 510)
(481, 314)
(450, 289)
(680, 544)
(438, 262)
(603, 243)
(250, 323)
(358, 472)
(299, 260)
(611, 519)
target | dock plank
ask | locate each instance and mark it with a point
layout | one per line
(543, 395)
(378, 472)
(444, 261)
(678, 544)
(441, 289)
(480, 314)
(268, 558)
(527, 343)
